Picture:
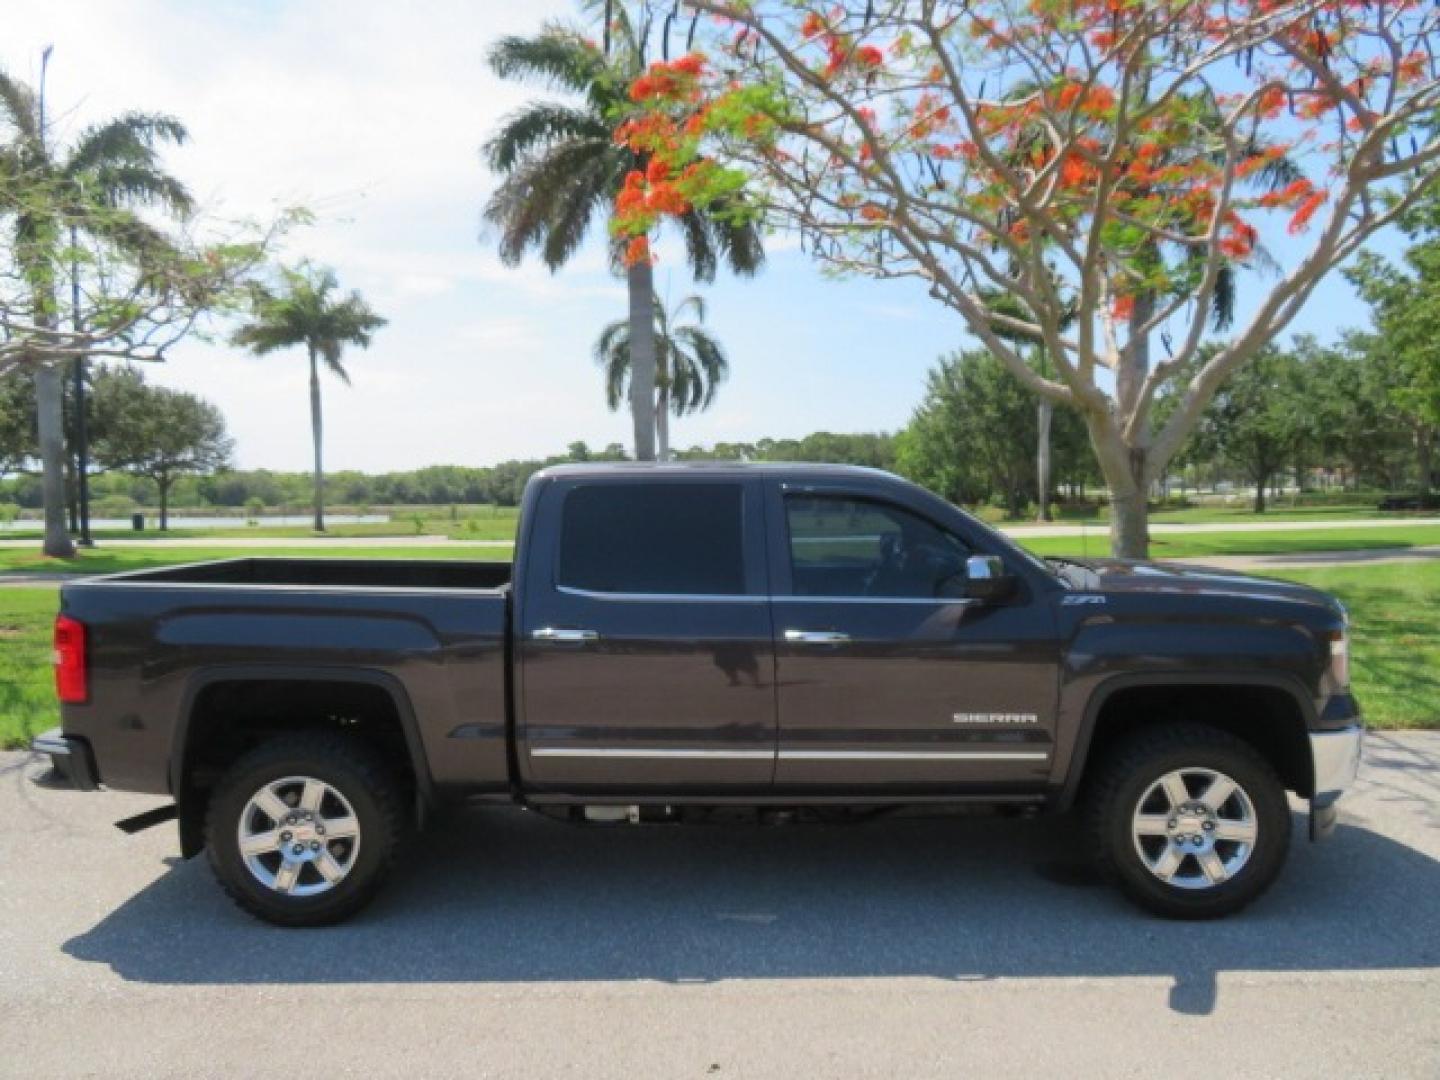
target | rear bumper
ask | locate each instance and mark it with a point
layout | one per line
(1335, 756)
(71, 758)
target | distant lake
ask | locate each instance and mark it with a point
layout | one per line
(152, 521)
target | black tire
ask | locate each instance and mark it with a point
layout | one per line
(353, 770)
(1128, 772)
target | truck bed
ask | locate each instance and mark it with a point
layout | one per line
(329, 573)
(168, 645)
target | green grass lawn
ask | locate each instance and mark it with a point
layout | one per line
(114, 557)
(498, 522)
(27, 688)
(1215, 515)
(1279, 542)
(1395, 646)
(108, 560)
(1395, 663)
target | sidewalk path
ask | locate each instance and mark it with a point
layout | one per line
(1314, 560)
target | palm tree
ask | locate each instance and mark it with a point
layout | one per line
(690, 364)
(55, 194)
(562, 172)
(307, 312)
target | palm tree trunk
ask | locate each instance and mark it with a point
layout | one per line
(49, 406)
(640, 280)
(316, 426)
(1042, 458)
(662, 424)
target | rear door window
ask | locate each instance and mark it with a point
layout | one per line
(653, 538)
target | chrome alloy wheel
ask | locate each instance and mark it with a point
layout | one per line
(1195, 828)
(299, 836)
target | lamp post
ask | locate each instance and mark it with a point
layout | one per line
(82, 434)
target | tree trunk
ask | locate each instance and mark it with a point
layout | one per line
(72, 492)
(1260, 494)
(316, 434)
(1129, 525)
(662, 424)
(1124, 462)
(49, 416)
(640, 280)
(1042, 458)
(1123, 469)
(1425, 457)
(164, 486)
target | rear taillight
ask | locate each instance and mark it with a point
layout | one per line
(72, 682)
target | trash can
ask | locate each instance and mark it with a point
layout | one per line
(137, 522)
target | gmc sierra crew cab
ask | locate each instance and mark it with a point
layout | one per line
(677, 642)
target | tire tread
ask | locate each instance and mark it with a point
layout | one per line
(374, 775)
(1102, 797)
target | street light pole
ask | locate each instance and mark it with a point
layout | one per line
(82, 434)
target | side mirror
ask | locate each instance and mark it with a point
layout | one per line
(987, 579)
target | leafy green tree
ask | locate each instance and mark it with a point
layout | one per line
(690, 364)
(1405, 311)
(54, 194)
(1259, 419)
(306, 310)
(156, 433)
(563, 170)
(17, 423)
(972, 438)
(882, 132)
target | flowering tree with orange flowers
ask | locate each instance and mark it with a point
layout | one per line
(1099, 161)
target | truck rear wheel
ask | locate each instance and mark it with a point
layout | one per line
(302, 830)
(1189, 821)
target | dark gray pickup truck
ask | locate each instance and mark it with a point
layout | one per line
(675, 643)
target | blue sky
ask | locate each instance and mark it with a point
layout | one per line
(371, 113)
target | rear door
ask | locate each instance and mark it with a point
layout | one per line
(646, 659)
(889, 678)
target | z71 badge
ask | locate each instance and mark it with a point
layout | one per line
(1076, 599)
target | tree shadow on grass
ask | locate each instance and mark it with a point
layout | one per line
(501, 896)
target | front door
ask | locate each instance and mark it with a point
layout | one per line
(889, 678)
(646, 656)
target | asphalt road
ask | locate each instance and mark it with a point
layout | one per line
(512, 946)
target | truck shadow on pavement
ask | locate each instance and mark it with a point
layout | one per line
(502, 896)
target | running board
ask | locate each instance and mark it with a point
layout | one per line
(148, 819)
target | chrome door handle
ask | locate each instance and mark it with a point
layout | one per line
(564, 634)
(816, 637)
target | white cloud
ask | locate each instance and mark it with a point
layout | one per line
(372, 113)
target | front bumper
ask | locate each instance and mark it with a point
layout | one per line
(1335, 756)
(70, 757)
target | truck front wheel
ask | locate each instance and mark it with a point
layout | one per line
(1189, 821)
(302, 829)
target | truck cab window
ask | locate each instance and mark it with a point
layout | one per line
(649, 538)
(858, 548)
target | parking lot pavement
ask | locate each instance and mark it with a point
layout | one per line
(509, 945)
